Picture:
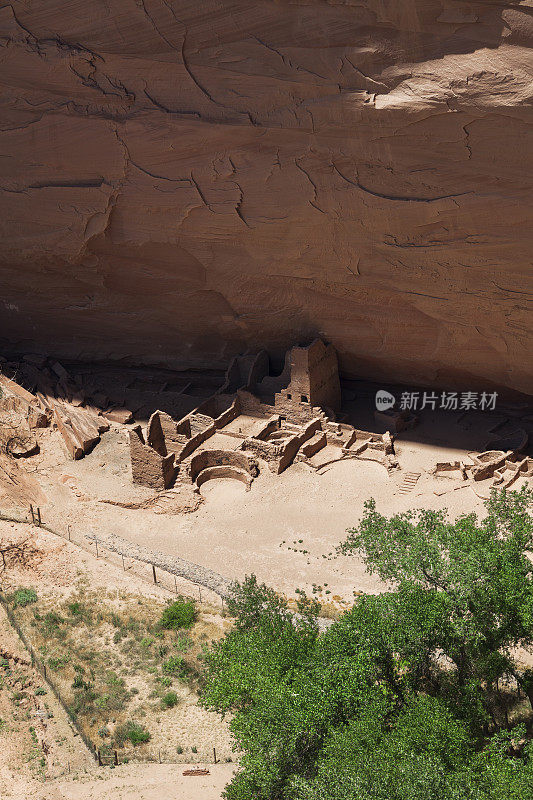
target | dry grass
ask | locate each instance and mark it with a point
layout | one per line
(125, 679)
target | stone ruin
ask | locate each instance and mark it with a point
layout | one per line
(255, 417)
(504, 464)
(230, 426)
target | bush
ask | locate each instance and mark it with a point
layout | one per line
(169, 700)
(174, 666)
(23, 597)
(131, 732)
(180, 614)
(58, 662)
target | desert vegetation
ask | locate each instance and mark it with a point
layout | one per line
(123, 663)
(424, 691)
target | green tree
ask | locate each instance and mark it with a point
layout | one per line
(480, 575)
(410, 695)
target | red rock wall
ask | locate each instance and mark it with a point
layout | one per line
(183, 180)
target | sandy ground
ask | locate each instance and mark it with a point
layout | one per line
(147, 782)
(71, 773)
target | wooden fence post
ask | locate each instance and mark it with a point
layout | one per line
(116, 758)
(153, 572)
(32, 514)
(69, 533)
(39, 516)
(215, 755)
(175, 585)
(99, 759)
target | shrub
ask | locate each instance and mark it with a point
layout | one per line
(180, 614)
(23, 597)
(132, 732)
(174, 666)
(59, 661)
(169, 700)
(179, 750)
(83, 701)
(183, 643)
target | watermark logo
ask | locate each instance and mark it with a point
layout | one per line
(446, 401)
(384, 400)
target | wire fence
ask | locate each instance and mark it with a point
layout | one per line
(119, 553)
(40, 666)
(104, 756)
(167, 572)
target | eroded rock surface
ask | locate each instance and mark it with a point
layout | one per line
(184, 181)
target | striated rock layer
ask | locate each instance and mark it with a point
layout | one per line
(184, 180)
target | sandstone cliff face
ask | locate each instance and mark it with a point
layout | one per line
(184, 179)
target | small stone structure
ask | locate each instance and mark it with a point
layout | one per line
(513, 469)
(503, 466)
(209, 464)
(486, 463)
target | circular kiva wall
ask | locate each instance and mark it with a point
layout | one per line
(210, 464)
(236, 473)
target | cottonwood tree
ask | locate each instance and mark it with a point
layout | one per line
(414, 694)
(475, 579)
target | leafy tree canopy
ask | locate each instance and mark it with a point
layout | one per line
(419, 693)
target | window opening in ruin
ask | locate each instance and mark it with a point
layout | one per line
(304, 399)
(289, 396)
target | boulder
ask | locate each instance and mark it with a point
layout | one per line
(120, 415)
